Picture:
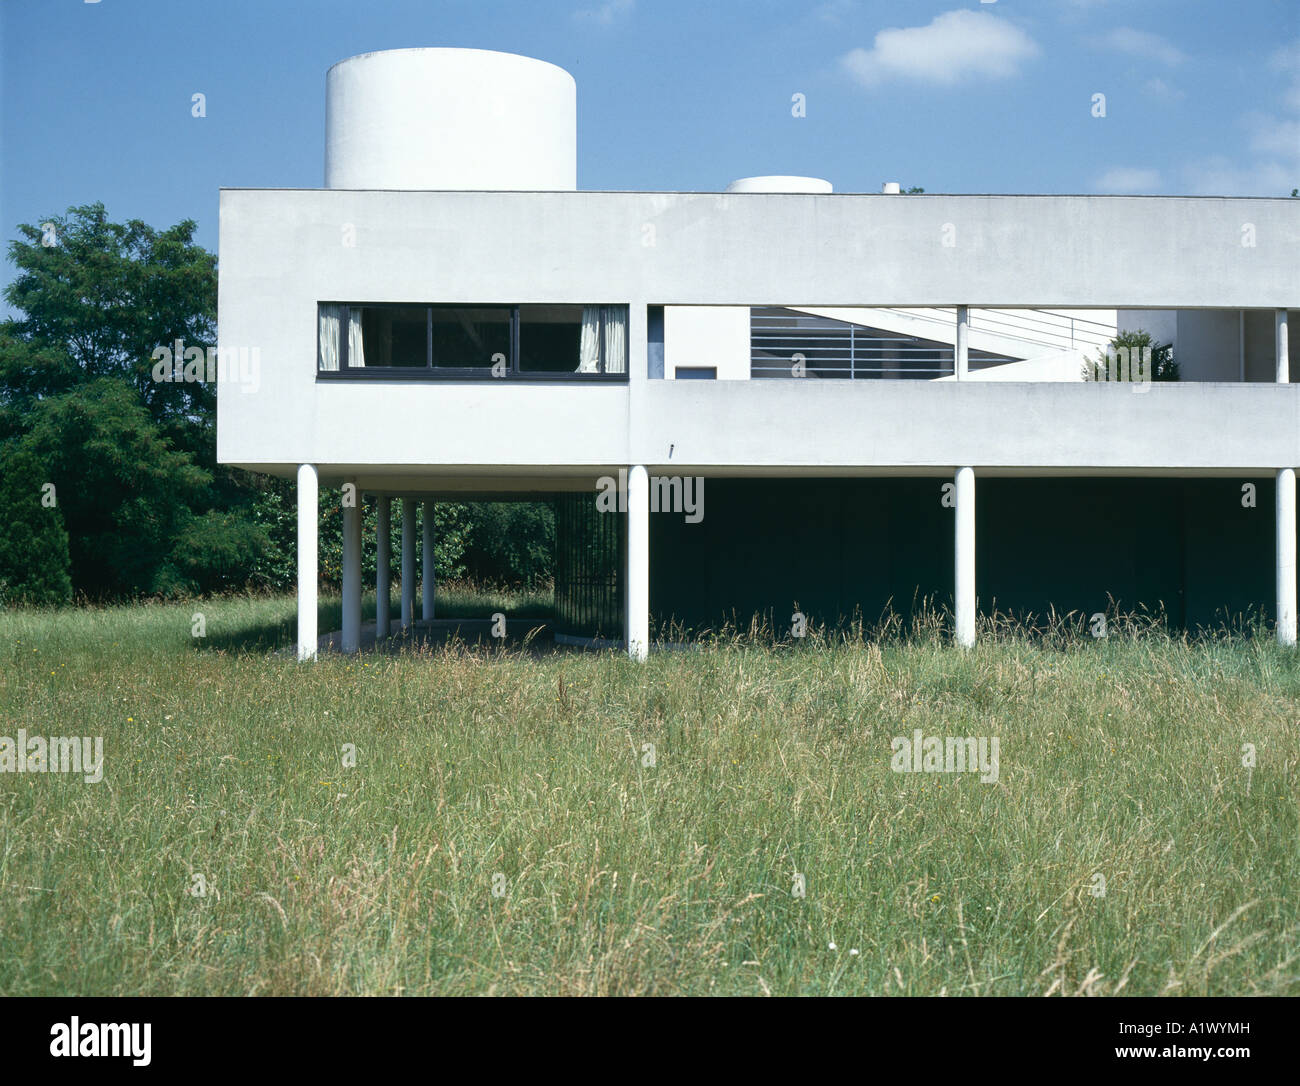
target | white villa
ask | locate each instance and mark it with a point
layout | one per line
(883, 393)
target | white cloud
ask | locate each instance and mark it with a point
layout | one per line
(954, 46)
(1287, 59)
(1158, 88)
(1271, 166)
(1222, 176)
(606, 14)
(1279, 138)
(1140, 43)
(1129, 179)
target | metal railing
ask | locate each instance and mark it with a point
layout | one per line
(786, 343)
(1035, 326)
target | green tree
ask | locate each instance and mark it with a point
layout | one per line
(106, 295)
(146, 507)
(510, 542)
(34, 564)
(124, 492)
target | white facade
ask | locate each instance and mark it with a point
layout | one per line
(703, 259)
(712, 249)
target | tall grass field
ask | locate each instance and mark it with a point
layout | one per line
(729, 819)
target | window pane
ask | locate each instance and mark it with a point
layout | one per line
(550, 338)
(391, 336)
(471, 338)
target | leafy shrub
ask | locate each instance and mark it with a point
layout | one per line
(1126, 360)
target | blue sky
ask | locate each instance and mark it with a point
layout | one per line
(1202, 96)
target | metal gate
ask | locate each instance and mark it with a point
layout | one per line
(588, 561)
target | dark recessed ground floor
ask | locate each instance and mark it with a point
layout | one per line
(1200, 551)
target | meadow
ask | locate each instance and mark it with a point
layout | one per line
(723, 820)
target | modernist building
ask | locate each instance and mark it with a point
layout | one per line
(881, 392)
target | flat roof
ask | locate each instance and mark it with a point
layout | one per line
(769, 195)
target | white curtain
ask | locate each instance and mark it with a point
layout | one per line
(356, 349)
(330, 316)
(589, 350)
(615, 317)
(603, 326)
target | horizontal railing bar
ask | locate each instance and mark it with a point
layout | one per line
(858, 374)
(871, 360)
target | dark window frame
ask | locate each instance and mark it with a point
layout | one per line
(430, 372)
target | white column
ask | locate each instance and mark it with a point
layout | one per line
(408, 562)
(352, 571)
(965, 558)
(383, 565)
(961, 350)
(308, 488)
(1286, 573)
(638, 563)
(426, 582)
(1283, 349)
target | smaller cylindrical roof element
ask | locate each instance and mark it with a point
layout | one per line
(780, 183)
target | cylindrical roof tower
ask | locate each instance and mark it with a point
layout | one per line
(450, 119)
